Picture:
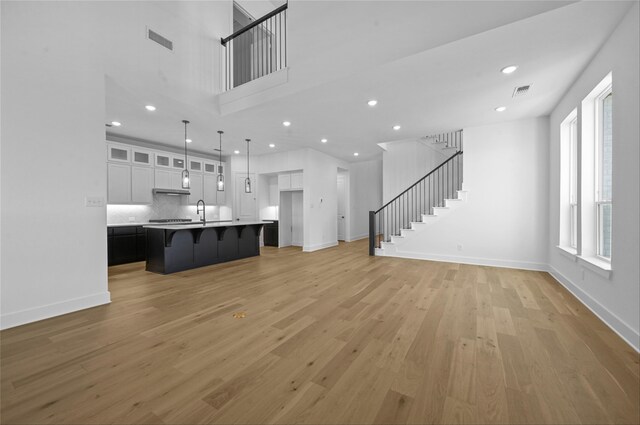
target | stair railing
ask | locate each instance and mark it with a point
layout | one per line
(256, 50)
(430, 191)
(451, 139)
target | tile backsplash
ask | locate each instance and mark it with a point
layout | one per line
(163, 207)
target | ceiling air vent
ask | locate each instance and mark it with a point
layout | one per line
(521, 91)
(164, 42)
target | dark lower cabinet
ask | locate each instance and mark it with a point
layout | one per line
(126, 244)
(271, 234)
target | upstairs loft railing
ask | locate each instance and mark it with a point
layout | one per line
(430, 191)
(451, 139)
(256, 50)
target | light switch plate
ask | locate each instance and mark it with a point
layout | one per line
(94, 201)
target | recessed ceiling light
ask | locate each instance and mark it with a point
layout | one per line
(188, 140)
(501, 108)
(372, 102)
(356, 154)
(509, 69)
(396, 127)
(115, 123)
(236, 152)
(286, 123)
(271, 145)
(150, 108)
(323, 140)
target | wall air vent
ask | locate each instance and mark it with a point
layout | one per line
(164, 42)
(521, 91)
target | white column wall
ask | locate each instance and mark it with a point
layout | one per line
(54, 256)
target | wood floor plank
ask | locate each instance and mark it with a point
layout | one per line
(334, 336)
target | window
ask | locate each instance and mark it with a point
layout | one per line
(604, 163)
(569, 182)
(590, 226)
(573, 183)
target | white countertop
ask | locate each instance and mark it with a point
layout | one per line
(197, 225)
(128, 224)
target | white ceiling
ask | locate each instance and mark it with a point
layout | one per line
(433, 66)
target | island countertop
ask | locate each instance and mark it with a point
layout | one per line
(199, 225)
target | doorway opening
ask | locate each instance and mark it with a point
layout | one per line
(343, 205)
(290, 229)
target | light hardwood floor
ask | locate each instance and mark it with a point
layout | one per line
(333, 336)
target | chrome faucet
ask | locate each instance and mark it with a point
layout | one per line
(204, 216)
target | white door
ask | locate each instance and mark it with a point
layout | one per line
(341, 208)
(246, 208)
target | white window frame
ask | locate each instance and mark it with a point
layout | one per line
(599, 141)
(573, 182)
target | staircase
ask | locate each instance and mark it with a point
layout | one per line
(422, 203)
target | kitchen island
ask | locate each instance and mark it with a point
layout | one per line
(176, 247)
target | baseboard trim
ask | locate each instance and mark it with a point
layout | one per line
(318, 247)
(508, 264)
(11, 320)
(357, 238)
(616, 324)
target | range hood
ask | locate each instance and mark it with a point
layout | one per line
(159, 191)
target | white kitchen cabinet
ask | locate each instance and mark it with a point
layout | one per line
(195, 165)
(162, 179)
(196, 188)
(209, 188)
(163, 160)
(284, 181)
(142, 181)
(290, 181)
(296, 181)
(177, 162)
(274, 193)
(211, 194)
(214, 167)
(167, 179)
(176, 179)
(118, 153)
(141, 157)
(118, 183)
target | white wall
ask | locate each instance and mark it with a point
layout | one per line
(365, 188)
(404, 162)
(53, 156)
(55, 56)
(614, 299)
(504, 221)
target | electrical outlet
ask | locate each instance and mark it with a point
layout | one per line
(94, 201)
(459, 247)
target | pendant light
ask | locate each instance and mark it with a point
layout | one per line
(220, 181)
(247, 181)
(185, 172)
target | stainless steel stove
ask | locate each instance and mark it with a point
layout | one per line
(171, 220)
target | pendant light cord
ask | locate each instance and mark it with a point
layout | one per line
(185, 143)
(248, 140)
